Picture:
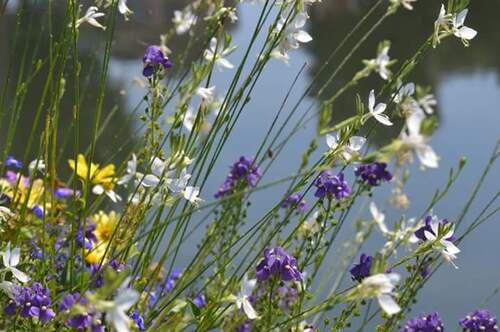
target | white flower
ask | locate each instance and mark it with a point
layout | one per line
(444, 246)
(123, 9)
(220, 61)
(381, 63)
(417, 142)
(36, 165)
(351, 149)
(460, 30)
(90, 17)
(11, 260)
(379, 218)
(99, 190)
(191, 194)
(116, 311)
(427, 103)
(404, 91)
(381, 286)
(207, 94)
(179, 185)
(377, 111)
(5, 213)
(184, 20)
(130, 171)
(291, 37)
(189, 119)
(242, 300)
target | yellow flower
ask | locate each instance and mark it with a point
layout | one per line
(98, 175)
(96, 254)
(24, 194)
(103, 178)
(105, 225)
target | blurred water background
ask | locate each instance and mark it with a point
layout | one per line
(465, 82)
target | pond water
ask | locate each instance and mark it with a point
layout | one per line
(465, 83)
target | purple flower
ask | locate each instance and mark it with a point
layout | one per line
(420, 233)
(242, 169)
(424, 323)
(12, 162)
(33, 301)
(329, 184)
(64, 193)
(245, 327)
(139, 321)
(479, 320)
(287, 296)
(79, 322)
(373, 174)
(294, 200)
(200, 301)
(278, 262)
(38, 211)
(89, 238)
(362, 269)
(154, 57)
(172, 278)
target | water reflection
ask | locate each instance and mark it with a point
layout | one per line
(332, 20)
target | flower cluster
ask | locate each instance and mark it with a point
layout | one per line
(295, 200)
(277, 262)
(373, 174)
(428, 323)
(331, 185)
(154, 59)
(480, 320)
(243, 170)
(33, 301)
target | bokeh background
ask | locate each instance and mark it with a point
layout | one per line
(465, 82)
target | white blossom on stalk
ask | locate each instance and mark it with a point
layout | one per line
(11, 260)
(413, 139)
(460, 30)
(123, 9)
(179, 185)
(382, 286)
(380, 63)
(116, 310)
(376, 111)
(184, 20)
(207, 94)
(408, 4)
(441, 242)
(131, 171)
(292, 36)
(351, 149)
(379, 218)
(218, 55)
(191, 194)
(427, 103)
(98, 190)
(91, 17)
(189, 118)
(243, 299)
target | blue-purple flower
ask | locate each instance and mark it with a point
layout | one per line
(243, 169)
(32, 301)
(424, 323)
(480, 320)
(138, 319)
(279, 263)
(12, 162)
(153, 59)
(362, 269)
(420, 233)
(295, 200)
(200, 300)
(332, 185)
(373, 174)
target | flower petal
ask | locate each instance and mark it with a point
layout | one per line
(388, 304)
